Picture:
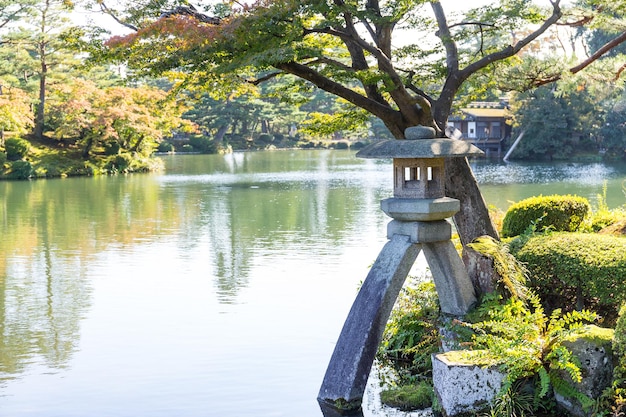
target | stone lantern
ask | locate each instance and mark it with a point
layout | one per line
(419, 209)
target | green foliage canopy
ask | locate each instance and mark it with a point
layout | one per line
(345, 48)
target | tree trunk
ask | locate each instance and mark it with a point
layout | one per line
(41, 106)
(87, 148)
(219, 136)
(137, 144)
(473, 219)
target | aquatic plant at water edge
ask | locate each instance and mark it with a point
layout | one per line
(409, 397)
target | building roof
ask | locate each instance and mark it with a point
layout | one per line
(487, 112)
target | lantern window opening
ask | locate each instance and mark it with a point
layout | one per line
(412, 173)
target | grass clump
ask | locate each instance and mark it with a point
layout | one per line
(409, 397)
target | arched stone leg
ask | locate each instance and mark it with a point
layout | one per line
(454, 286)
(352, 359)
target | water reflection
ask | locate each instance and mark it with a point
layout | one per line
(42, 300)
(254, 205)
(226, 214)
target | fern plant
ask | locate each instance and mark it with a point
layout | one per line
(515, 334)
(524, 343)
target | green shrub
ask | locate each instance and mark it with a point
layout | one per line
(187, 148)
(50, 165)
(265, 138)
(411, 334)
(16, 148)
(604, 219)
(202, 144)
(19, 170)
(570, 270)
(3, 158)
(558, 212)
(342, 144)
(165, 147)
(112, 148)
(121, 163)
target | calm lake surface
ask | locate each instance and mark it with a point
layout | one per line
(217, 288)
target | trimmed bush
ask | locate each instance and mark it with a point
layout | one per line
(19, 170)
(576, 270)
(562, 213)
(16, 148)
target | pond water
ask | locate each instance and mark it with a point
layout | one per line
(217, 288)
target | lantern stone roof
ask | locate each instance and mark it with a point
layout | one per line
(419, 148)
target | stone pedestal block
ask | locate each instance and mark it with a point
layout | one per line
(593, 349)
(463, 387)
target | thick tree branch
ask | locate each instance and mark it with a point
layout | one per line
(456, 76)
(177, 11)
(10, 17)
(584, 64)
(372, 106)
(603, 50)
(332, 62)
(511, 50)
(400, 95)
(264, 78)
(452, 53)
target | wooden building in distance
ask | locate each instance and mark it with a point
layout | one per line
(484, 124)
